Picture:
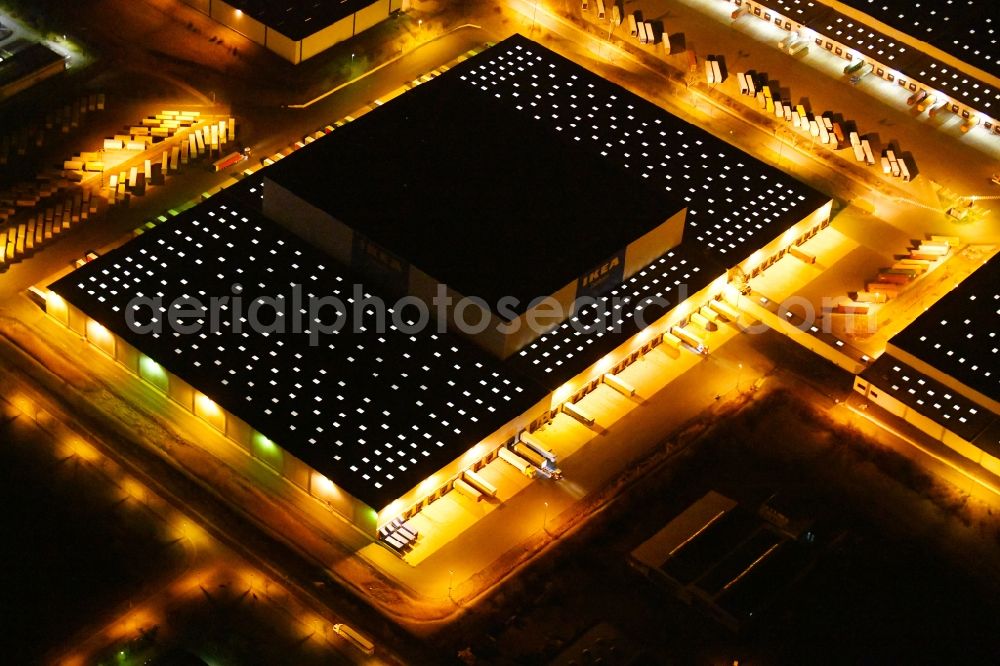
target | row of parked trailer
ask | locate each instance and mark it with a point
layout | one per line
(827, 127)
(528, 452)
(23, 140)
(35, 213)
(22, 238)
(202, 140)
(907, 268)
(648, 32)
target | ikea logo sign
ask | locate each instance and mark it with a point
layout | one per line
(603, 277)
(600, 273)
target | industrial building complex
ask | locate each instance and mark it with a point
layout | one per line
(297, 30)
(940, 372)
(516, 174)
(956, 72)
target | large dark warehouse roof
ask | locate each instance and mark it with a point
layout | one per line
(960, 334)
(483, 198)
(967, 29)
(537, 169)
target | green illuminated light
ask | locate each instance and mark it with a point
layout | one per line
(151, 368)
(264, 442)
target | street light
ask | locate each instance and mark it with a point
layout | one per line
(451, 580)
(545, 517)
(738, 374)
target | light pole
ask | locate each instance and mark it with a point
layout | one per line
(739, 373)
(451, 580)
(545, 518)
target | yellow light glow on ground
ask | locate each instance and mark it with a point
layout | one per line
(23, 404)
(81, 449)
(132, 488)
(183, 528)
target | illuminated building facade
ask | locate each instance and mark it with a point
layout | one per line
(297, 29)
(962, 76)
(941, 372)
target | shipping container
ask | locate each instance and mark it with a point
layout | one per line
(867, 149)
(542, 464)
(943, 106)
(479, 483)
(536, 445)
(724, 309)
(871, 297)
(892, 279)
(918, 269)
(717, 70)
(953, 241)
(508, 456)
(228, 161)
(918, 96)
(838, 132)
(578, 413)
(619, 385)
(467, 489)
(801, 254)
(356, 639)
(690, 338)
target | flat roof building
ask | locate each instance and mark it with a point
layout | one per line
(380, 414)
(27, 67)
(968, 30)
(951, 57)
(942, 373)
(297, 29)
